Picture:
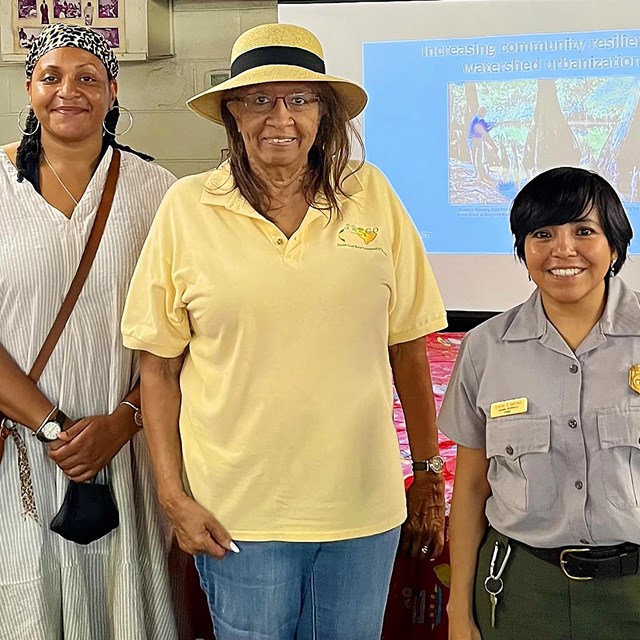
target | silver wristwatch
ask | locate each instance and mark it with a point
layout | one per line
(434, 464)
(51, 427)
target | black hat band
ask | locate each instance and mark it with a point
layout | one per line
(277, 55)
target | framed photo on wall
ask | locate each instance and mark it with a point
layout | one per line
(27, 18)
(124, 23)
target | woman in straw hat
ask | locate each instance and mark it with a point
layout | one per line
(52, 181)
(272, 299)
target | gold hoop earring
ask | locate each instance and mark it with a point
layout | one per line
(120, 133)
(23, 130)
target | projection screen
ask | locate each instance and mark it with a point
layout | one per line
(469, 99)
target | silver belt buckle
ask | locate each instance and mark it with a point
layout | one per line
(564, 562)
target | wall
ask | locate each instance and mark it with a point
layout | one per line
(156, 91)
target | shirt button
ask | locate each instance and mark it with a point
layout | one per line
(573, 368)
(578, 485)
(509, 449)
(573, 423)
(279, 241)
(584, 541)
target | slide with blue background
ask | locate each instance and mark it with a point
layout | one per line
(460, 125)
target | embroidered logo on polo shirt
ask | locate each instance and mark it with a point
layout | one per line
(357, 237)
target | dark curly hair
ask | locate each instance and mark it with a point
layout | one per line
(28, 153)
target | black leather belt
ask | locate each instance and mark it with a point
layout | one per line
(586, 563)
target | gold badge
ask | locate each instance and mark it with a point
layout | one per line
(508, 407)
(634, 377)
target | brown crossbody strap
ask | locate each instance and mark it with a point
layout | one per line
(27, 495)
(83, 269)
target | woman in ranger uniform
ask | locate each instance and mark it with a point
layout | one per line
(544, 404)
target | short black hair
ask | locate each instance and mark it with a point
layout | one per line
(567, 194)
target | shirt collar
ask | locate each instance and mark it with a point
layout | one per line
(220, 189)
(529, 322)
(621, 316)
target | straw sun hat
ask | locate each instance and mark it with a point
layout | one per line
(276, 53)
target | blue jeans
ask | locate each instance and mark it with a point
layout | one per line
(300, 590)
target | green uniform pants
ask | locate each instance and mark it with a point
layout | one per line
(539, 602)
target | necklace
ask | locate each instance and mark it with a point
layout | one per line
(58, 178)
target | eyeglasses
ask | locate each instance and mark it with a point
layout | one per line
(263, 103)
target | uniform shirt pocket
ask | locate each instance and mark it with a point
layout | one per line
(520, 471)
(619, 433)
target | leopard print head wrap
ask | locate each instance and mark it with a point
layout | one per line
(58, 35)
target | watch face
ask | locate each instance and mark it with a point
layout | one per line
(436, 464)
(137, 418)
(50, 431)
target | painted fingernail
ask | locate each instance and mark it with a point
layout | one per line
(234, 547)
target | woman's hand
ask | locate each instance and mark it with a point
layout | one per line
(196, 529)
(90, 444)
(467, 524)
(424, 526)
(463, 629)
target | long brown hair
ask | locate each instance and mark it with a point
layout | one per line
(327, 158)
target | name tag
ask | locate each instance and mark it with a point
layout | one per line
(508, 407)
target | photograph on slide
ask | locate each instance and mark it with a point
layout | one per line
(497, 139)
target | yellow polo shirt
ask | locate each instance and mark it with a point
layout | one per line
(287, 409)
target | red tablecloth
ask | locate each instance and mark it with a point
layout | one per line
(419, 591)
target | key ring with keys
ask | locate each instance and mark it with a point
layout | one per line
(493, 583)
(496, 577)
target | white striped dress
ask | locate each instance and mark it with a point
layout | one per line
(116, 588)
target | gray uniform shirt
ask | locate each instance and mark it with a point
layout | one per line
(567, 471)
